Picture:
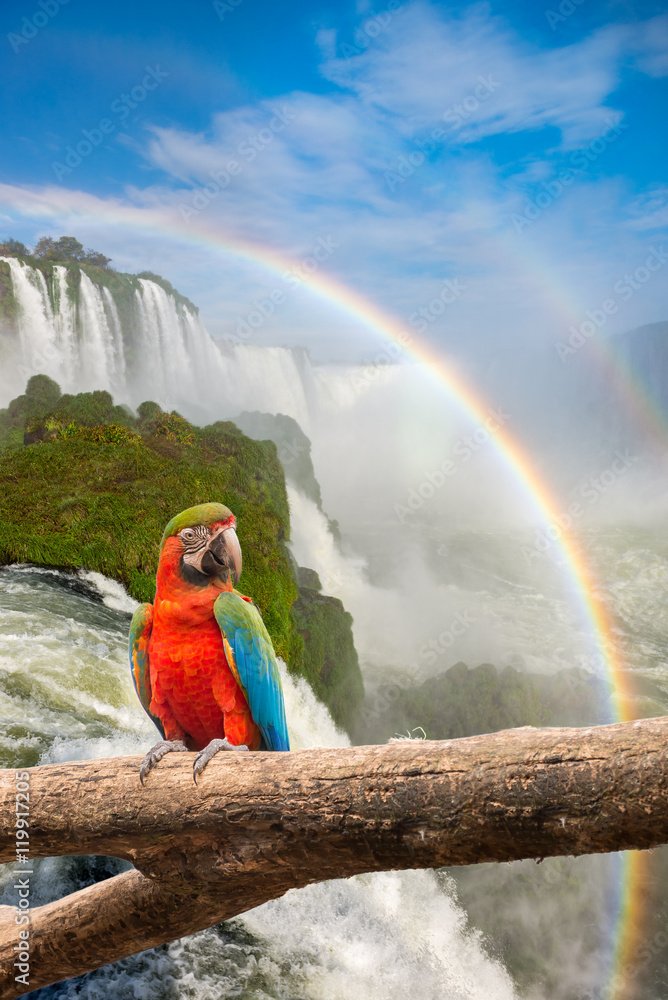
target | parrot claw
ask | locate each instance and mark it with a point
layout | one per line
(156, 753)
(205, 755)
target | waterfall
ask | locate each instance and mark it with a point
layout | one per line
(270, 379)
(66, 326)
(127, 335)
(132, 337)
(39, 335)
(165, 357)
(98, 362)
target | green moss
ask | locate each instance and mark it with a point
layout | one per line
(105, 434)
(27, 410)
(43, 393)
(86, 408)
(329, 661)
(8, 304)
(72, 282)
(10, 436)
(148, 411)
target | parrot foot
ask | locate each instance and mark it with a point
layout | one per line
(205, 755)
(156, 753)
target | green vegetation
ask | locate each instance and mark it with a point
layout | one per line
(65, 249)
(8, 304)
(330, 663)
(463, 702)
(41, 396)
(13, 248)
(86, 483)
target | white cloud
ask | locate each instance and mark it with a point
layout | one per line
(649, 212)
(321, 171)
(424, 64)
(648, 42)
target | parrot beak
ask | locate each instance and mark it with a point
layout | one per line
(223, 555)
(234, 549)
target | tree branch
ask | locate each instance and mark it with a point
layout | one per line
(259, 824)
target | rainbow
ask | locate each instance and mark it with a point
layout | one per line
(76, 207)
(645, 411)
(638, 400)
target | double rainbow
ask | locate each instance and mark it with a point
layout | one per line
(86, 208)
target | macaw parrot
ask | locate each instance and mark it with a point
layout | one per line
(201, 658)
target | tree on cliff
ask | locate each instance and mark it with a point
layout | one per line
(259, 824)
(13, 248)
(68, 248)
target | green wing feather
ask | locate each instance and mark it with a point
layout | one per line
(253, 663)
(140, 633)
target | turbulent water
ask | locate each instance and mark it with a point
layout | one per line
(460, 573)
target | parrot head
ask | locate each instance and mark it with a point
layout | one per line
(205, 541)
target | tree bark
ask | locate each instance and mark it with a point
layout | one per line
(259, 824)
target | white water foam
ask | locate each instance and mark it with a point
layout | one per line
(309, 721)
(381, 937)
(113, 594)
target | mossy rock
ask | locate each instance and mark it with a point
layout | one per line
(294, 448)
(329, 661)
(8, 303)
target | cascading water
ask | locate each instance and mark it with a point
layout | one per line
(131, 338)
(66, 327)
(40, 335)
(137, 341)
(100, 353)
(164, 343)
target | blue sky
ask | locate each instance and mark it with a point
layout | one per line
(517, 149)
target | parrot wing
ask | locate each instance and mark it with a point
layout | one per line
(140, 633)
(251, 657)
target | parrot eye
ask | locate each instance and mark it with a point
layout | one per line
(188, 535)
